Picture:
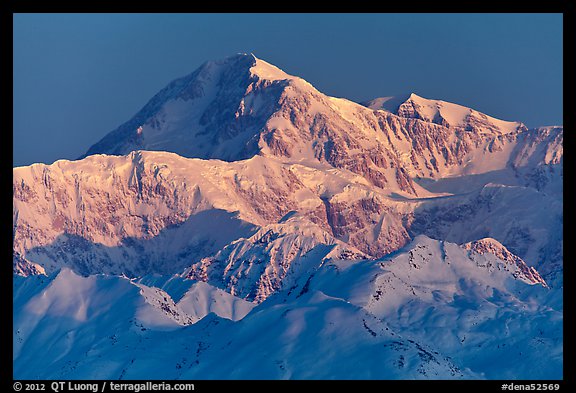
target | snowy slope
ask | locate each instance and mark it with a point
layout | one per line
(346, 319)
(472, 306)
(60, 316)
(528, 222)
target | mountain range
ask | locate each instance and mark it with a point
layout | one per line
(244, 225)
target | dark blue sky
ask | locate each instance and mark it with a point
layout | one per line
(79, 76)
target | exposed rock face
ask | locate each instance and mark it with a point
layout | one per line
(25, 268)
(511, 262)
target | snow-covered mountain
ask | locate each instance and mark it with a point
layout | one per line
(273, 258)
(157, 212)
(242, 106)
(244, 218)
(345, 319)
(444, 113)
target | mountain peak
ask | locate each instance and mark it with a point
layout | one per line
(265, 70)
(214, 112)
(241, 106)
(443, 113)
(256, 66)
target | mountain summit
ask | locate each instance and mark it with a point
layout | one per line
(241, 106)
(214, 112)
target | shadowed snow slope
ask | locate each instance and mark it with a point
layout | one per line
(344, 319)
